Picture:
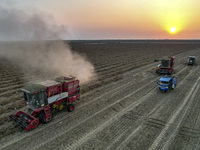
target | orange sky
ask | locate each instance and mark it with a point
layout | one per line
(124, 19)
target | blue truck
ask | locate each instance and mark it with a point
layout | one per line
(167, 83)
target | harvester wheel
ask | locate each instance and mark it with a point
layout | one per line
(42, 117)
(70, 107)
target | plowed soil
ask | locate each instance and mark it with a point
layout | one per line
(122, 109)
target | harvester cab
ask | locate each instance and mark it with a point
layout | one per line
(191, 60)
(44, 97)
(166, 66)
(35, 96)
(167, 83)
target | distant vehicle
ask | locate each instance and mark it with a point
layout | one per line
(167, 83)
(156, 60)
(191, 60)
(166, 66)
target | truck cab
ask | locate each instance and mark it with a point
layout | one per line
(191, 60)
(167, 83)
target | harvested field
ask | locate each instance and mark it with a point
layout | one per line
(122, 109)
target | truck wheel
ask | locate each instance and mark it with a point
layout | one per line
(70, 107)
(42, 117)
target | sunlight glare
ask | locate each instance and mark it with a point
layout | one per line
(173, 29)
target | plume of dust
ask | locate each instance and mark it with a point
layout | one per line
(38, 47)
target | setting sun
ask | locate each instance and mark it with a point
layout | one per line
(173, 30)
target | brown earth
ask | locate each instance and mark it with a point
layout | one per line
(123, 109)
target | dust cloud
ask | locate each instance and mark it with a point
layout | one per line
(32, 41)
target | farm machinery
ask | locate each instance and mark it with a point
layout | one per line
(44, 98)
(191, 60)
(166, 66)
(167, 83)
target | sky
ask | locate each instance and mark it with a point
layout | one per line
(117, 19)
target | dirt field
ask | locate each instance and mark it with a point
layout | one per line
(123, 109)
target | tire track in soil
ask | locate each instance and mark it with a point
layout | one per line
(114, 136)
(9, 99)
(177, 93)
(188, 135)
(130, 129)
(128, 138)
(80, 110)
(107, 122)
(7, 87)
(92, 133)
(123, 136)
(97, 113)
(157, 105)
(166, 138)
(182, 55)
(102, 77)
(20, 81)
(8, 115)
(138, 140)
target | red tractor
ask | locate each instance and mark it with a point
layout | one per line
(43, 98)
(166, 66)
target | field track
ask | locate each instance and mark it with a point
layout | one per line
(122, 109)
